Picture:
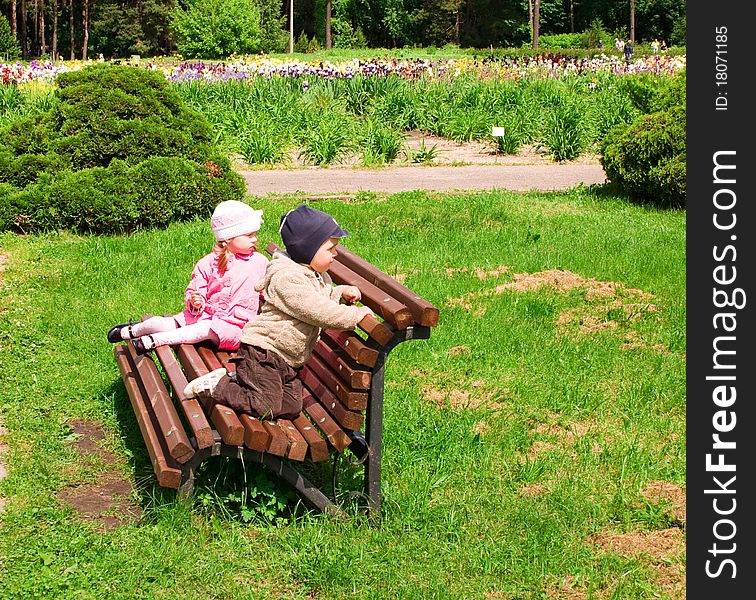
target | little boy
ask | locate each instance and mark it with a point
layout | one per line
(300, 300)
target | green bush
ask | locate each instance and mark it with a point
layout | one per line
(119, 198)
(647, 158)
(118, 150)
(561, 41)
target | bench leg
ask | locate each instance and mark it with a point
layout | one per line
(374, 433)
(186, 488)
(304, 486)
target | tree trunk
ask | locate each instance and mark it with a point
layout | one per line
(328, 25)
(24, 40)
(457, 25)
(572, 16)
(71, 26)
(14, 18)
(291, 26)
(632, 21)
(530, 15)
(42, 40)
(35, 28)
(55, 31)
(85, 23)
(536, 22)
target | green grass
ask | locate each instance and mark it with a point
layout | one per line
(510, 436)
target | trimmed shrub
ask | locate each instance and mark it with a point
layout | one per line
(117, 151)
(648, 158)
(119, 198)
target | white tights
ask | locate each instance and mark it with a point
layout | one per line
(158, 331)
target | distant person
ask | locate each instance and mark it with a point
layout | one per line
(619, 43)
(600, 44)
(221, 295)
(628, 50)
(300, 301)
(655, 46)
(664, 45)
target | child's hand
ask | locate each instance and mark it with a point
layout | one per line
(196, 301)
(351, 293)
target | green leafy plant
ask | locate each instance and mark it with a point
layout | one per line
(424, 154)
(380, 144)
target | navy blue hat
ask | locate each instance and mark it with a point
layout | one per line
(304, 229)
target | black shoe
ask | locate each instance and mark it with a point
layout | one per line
(139, 346)
(114, 335)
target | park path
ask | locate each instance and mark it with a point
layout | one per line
(316, 180)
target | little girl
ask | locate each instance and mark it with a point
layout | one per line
(220, 297)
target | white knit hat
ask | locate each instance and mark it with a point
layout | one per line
(232, 218)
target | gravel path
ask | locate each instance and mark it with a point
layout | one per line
(315, 180)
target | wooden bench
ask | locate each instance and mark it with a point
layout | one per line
(342, 397)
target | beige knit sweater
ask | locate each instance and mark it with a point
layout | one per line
(299, 302)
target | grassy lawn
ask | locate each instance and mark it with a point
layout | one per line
(534, 447)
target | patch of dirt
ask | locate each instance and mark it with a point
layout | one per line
(608, 305)
(663, 551)
(658, 492)
(108, 502)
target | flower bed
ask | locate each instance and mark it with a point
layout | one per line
(551, 66)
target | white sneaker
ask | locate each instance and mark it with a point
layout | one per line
(204, 385)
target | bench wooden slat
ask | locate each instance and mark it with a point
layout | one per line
(376, 330)
(177, 442)
(297, 445)
(346, 418)
(209, 358)
(350, 398)
(195, 418)
(423, 312)
(353, 345)
(225, 420)
(278, 443)
(335, 435)
(341, 363)
(388, 307)
(318, 447)
(228, 425)
(166, 469)
(193, 364)
(256, 436)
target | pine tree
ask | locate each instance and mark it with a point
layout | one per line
(9, 48)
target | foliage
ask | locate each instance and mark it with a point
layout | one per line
(217, 28)
(121, 198)
(647, 157)
(560, 41)
(9, 48)
(92, 162)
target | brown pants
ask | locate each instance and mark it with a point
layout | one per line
(265, 385)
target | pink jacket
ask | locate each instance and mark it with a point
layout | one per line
(230, 300)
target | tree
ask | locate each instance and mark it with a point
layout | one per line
(216, 28)
(8, 43)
